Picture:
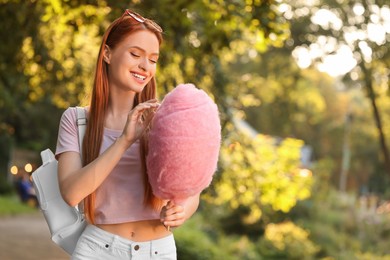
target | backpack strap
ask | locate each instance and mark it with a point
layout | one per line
(81, 126)
(81, 123)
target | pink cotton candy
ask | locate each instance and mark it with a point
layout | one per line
(184, 144)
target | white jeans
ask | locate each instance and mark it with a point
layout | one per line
(96, 243)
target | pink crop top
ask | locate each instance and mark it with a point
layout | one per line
(119, 198)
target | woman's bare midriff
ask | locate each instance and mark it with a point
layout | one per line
(139, 231)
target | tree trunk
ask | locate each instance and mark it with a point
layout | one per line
(5, 156)
(346, 157)
(371, 94)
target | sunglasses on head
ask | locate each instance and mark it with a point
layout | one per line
(139, 18)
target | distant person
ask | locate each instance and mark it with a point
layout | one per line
(26, 190)
(126, 221)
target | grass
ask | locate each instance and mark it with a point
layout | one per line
(11, 205)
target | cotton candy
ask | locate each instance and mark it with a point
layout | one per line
(184, 143)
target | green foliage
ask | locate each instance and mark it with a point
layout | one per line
(341, 225)
(46, 64)
(311, 106)
(370, 256)
(328, 225)
(371, 54)
(198, 239)
(193, 243)
(286, 241)
(260, 171)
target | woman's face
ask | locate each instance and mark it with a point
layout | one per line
(133, 61)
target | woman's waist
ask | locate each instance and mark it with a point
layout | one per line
(139, 231)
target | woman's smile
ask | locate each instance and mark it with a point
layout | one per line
(140, 78)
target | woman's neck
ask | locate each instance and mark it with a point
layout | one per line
(120, 104)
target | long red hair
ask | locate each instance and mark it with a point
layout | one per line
(116, 32)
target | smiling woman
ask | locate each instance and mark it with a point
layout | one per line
(132, 62)
(125, 218)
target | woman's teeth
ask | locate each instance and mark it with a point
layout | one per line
(138, 76)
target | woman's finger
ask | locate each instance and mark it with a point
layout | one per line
(144, 106)
(140, 109)
(174, 223)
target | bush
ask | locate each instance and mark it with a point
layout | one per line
(194, 242)
(286, 241)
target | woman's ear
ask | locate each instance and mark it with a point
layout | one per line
(107, 54)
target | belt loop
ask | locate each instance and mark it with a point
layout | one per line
(153, 251)
(111, 244)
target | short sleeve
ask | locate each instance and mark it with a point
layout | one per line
(67, 140)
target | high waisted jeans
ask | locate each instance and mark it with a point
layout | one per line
(96, 243)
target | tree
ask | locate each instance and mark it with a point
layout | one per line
(356, 27)
(45, 60)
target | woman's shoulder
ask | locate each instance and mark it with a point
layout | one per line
(70, 114)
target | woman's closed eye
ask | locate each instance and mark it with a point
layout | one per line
(135, 54)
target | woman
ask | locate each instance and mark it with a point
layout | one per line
(125, 220)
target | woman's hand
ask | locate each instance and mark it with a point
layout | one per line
(139, 119)
(172, 215)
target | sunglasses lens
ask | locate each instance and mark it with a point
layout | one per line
(136, 16)
(141, 19)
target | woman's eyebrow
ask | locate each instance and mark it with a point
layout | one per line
(144, 51)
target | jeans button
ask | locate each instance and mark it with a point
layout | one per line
(136, 247)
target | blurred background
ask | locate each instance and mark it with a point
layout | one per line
(304, 96)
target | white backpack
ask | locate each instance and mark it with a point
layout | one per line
(66, 223)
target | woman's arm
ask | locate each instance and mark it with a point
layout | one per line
(77, 182)
(175, 215)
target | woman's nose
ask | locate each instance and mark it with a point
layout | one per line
(143, 65)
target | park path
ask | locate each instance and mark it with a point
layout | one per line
(27, 237)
